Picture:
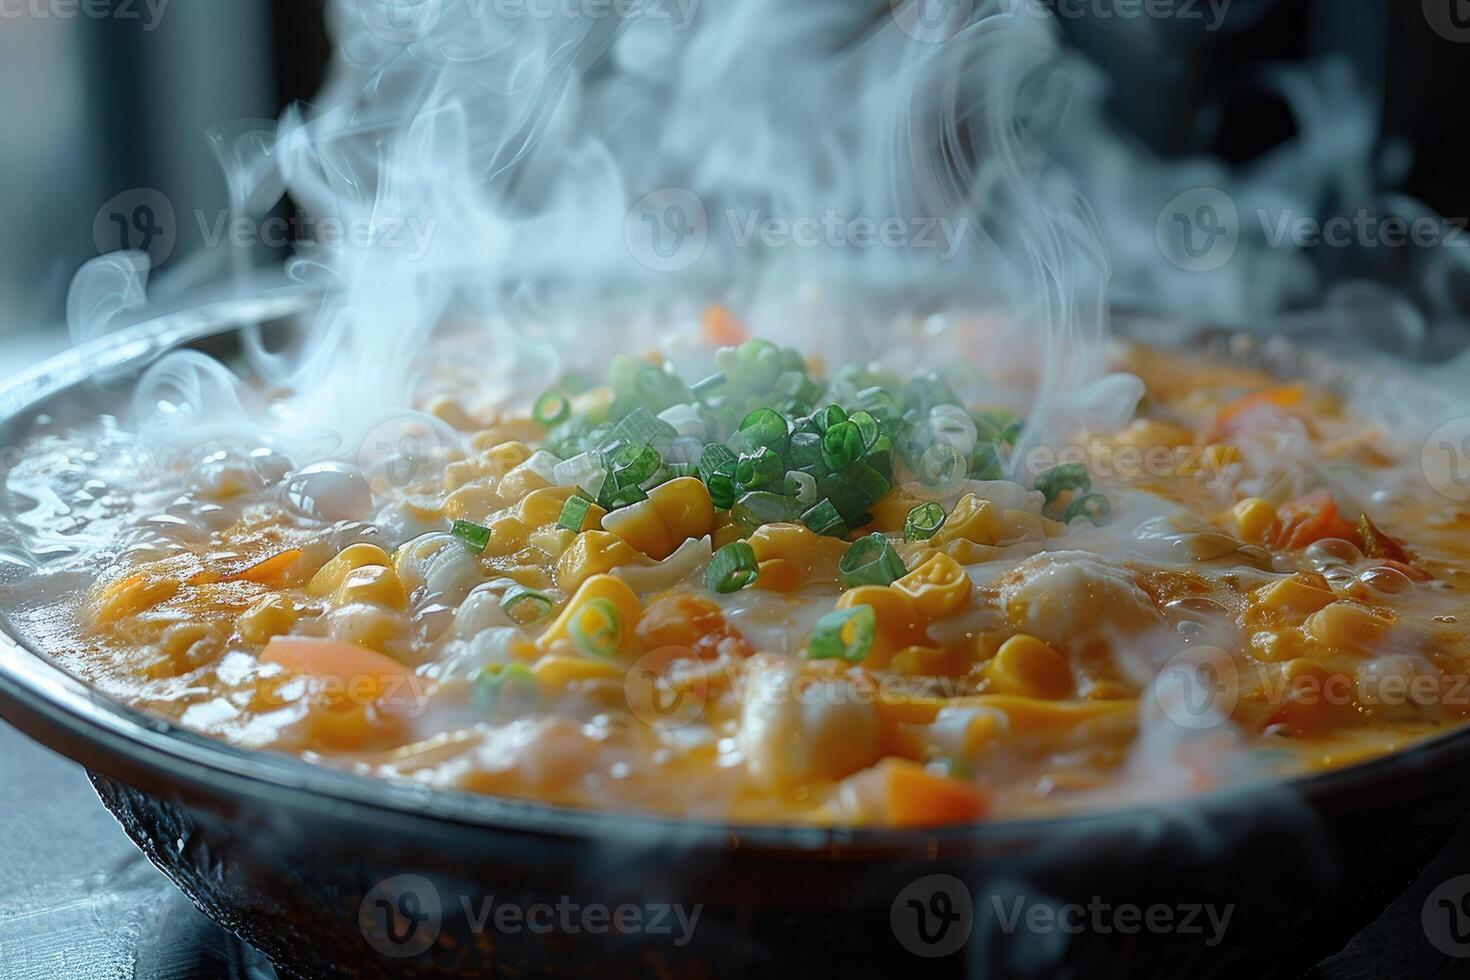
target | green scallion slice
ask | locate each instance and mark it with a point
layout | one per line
(633, 464)
(552, 408)
(759, 470)
(574, 513)
(717, 459)
(508, 688)
(526, 606)
(843, 634)
(923, 522)
(764, 427)
(731, 569)
(475, 536)
(870, 560)
(1060, 479)
(708, 386)
(763, 507)
(842, 444)
(722, 490)
(614, 498)
(824, 519)
(1093, 506)
(597, 628)
(802, 486)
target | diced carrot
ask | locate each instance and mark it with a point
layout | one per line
(722, 328)
(1230, 418)
(915, 797)
(268, 571)
(360, 673)
(1313, 517)
(1415, 574)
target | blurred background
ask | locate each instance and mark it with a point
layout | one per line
(99, 98)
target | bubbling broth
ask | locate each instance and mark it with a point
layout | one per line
(761, 588)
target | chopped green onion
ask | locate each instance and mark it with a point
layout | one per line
(633, 464)
(843, 634)
(941, 465)
(552, 408)
(830, 416)
(805, 450)
(574, 513)
(796, 386)
(1059, 479)
(605, 634)
(842, 444)
(758, 470)
(985, 463)
(731, 569)
(526, 606)
(868, 426)
(476, 536)
(722, 490)
(923, 522)
(763, 507)
(802, 486)
(825, 520)
(708, 385)
(854, 490)
(764, 427)
(615, 498)
(1093, 506)
(716, 459)
(870, 561)
(640, 427)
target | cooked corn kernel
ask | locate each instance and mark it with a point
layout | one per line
(554, 672)
(132, 595)
(642, 527)
(815, 557)
(364, 624)
(519, 482)
(552, 540)
(1293, 597)
(1254, 519)
(972, 519)
(1025, 666)
(273, 615)
(899, 624)
(938, 587)
(500, 460)
(376, 584)
(777, 575)
(685, 506)
(1346, 626)
(325, 581)
(608, 587)
(472, 503)
(593, 553)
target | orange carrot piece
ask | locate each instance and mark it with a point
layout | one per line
(1311, 518)
(1230, 417)
(268, 571)
(362, 674)
(915, 797)
(722, 328)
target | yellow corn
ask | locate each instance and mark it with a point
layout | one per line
(1277, 645)
(461, 472)
(938, 587)
(365, 625)
(1253, 519)
(777, 575)
(326, 581)
(519, 482)
(1293, 597)
(273, 615)
(815, 557)
(725, 531)
(451, 411)
(502, 459)
(608, 587)
(898, 621)
(554, 672)
(1021, 525)
(1148, 434)
(375, 584)
(552, 540)
(540, 507)
(972, 519)
(969, 553)
(1346, 626)
(685, 507)
(132, 595)
(593, 553)
(642, 527)
(1027, 667)
(472, 503)
(890, 512)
